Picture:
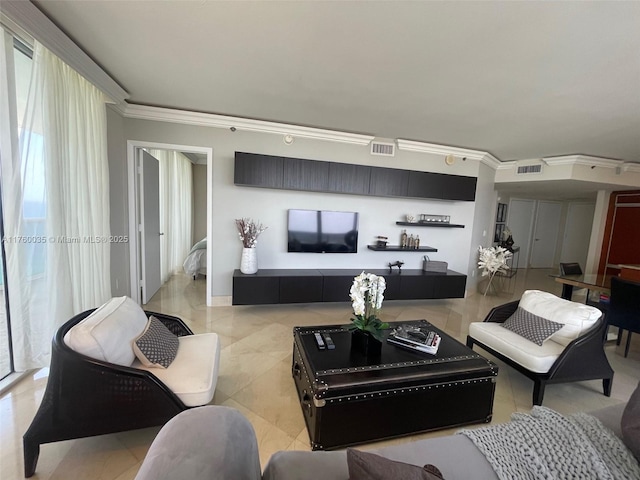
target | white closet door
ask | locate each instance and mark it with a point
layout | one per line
(577, 233)
(545, 234)
(150, 227)
(520, 222)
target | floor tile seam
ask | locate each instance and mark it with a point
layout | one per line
(248, 342)
(230, 395)
(268, 422)
(238, 400)
(253, 379)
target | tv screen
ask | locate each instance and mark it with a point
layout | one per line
(321, 231)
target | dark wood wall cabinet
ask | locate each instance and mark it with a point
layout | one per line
(259, 171)
(332, 285)
(267, 171)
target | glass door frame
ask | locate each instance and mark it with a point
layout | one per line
(5, 287)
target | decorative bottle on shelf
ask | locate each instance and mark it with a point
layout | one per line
(403, 239)
(411, 241)
(416, 243)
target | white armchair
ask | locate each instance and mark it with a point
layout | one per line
(574, 352)
(97, 385)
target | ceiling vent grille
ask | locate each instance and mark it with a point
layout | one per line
(384, 149)
(528, 169)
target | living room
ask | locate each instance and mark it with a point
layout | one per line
(581, 174)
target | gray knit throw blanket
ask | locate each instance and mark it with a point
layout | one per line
(548, 445)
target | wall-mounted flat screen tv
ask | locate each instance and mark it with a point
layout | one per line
(321, 231)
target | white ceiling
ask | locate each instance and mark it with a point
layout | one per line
(520, 80)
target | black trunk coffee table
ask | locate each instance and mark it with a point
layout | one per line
(348, 398)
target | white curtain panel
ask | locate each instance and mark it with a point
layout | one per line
(176, 207)
(63, 266)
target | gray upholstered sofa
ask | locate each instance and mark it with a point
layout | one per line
(215, 442)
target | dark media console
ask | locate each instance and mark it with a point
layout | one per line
(271, 286)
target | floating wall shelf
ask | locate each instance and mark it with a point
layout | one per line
(397, 248)
(430, 224)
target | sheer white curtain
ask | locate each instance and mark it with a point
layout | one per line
(176, 207)
(58, 253)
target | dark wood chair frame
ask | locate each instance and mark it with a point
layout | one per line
(583, 359)
(85, 397)
(623, 310)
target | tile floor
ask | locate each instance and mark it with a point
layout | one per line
(255, 377)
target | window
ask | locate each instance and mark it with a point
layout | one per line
(33, 180)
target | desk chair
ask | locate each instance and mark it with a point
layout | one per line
(574, 269)
(624, 308)
(570, 269)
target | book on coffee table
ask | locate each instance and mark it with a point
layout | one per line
(415, 338)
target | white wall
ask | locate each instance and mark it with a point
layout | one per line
(377, 215)
(199, 202)
(483, 221)
(117, 153)
(597, 231)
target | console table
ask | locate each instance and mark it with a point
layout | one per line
(271, 286)
(512, 263)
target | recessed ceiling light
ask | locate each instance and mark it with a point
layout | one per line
(449, 159)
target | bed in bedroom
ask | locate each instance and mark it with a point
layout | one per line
(196, 261)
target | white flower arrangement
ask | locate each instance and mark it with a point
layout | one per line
(248, 231)
(367, 294)
(493, 260)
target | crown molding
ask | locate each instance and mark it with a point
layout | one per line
(186, 117)
(423, 147)
(161, 114)
(436, 149)
(29, 18)
(118, 107)
(508, 165)
(583, 160)
(491, 161)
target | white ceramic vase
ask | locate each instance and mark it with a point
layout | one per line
(249, 261)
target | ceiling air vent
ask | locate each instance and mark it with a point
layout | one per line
(384, 149)
(526, 169)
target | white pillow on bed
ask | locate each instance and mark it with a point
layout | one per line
(576, 317)
(107, 334)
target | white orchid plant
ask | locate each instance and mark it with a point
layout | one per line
(367, 294)
(493, 260)
(248, 231)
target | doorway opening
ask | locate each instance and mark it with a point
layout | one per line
(148, 242)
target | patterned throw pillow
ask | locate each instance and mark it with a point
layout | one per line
(369, 466)
(530, 326)
(157, 346)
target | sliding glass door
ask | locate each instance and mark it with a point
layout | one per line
(17, 63)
